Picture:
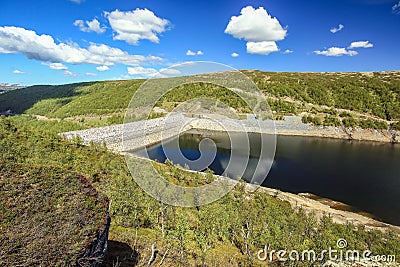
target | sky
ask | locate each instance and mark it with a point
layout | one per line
(67, 41)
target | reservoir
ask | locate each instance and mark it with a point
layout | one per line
(363, 175)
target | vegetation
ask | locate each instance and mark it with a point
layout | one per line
(48, 215)
(69, 100)
(227, 232)
(372, 99)
(377, 94)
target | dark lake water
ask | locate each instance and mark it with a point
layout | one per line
(364, 175)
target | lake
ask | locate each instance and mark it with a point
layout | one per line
(364, 175)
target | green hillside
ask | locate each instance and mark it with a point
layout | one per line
(72, 99)
(366, 100)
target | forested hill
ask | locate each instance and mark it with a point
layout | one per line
(368, 100)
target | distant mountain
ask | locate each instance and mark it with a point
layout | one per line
(9, 87)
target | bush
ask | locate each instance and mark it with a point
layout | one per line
(349, 122)
(344, 114)
(331, 121)
(313, 120)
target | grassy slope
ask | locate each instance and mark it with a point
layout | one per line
(356, 99)
(71, 99)
(48, 215)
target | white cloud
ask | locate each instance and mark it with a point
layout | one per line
(170, 71)
(151, 72)
(258, 28)
(187, 63)
(336, 52)
(90, 26)
(261, 48)
(255, 25)
(360, 44)
(70, 74)
(192, 53)
(78, 1)
(287, 51)
(140, 71)
(102, 68)
(396, 8)
(90, 74)
(18, 72)
(132, 26)
(339, 28)
(43, 48)
(234, 54)
(55, 66)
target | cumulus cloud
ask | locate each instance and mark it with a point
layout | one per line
(102, 68)
(287, 51)
(55, 66)
(360, 44)
(90, 74)
(192, 53)
(339, 28)
(170, 71)
(70, 74)
(255, 25)
(132, 26)
(44, 48)
(396, 8)
(19, 72)
(90, 26)
(261, 48)
(140, 71)
(234, 54)
(258, 28)
(336, 52)
(151, 72)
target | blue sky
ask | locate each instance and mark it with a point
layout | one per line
(65, 41)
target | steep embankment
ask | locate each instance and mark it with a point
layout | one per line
(49, 215)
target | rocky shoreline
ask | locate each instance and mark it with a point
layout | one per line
(322, 206)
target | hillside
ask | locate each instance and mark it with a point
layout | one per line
(48, 208)
(49, 214)
(365, 100)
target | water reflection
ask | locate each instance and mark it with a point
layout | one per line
(364, 175)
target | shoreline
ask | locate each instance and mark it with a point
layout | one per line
(326, 207)
(363, 135)
(291, 126)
